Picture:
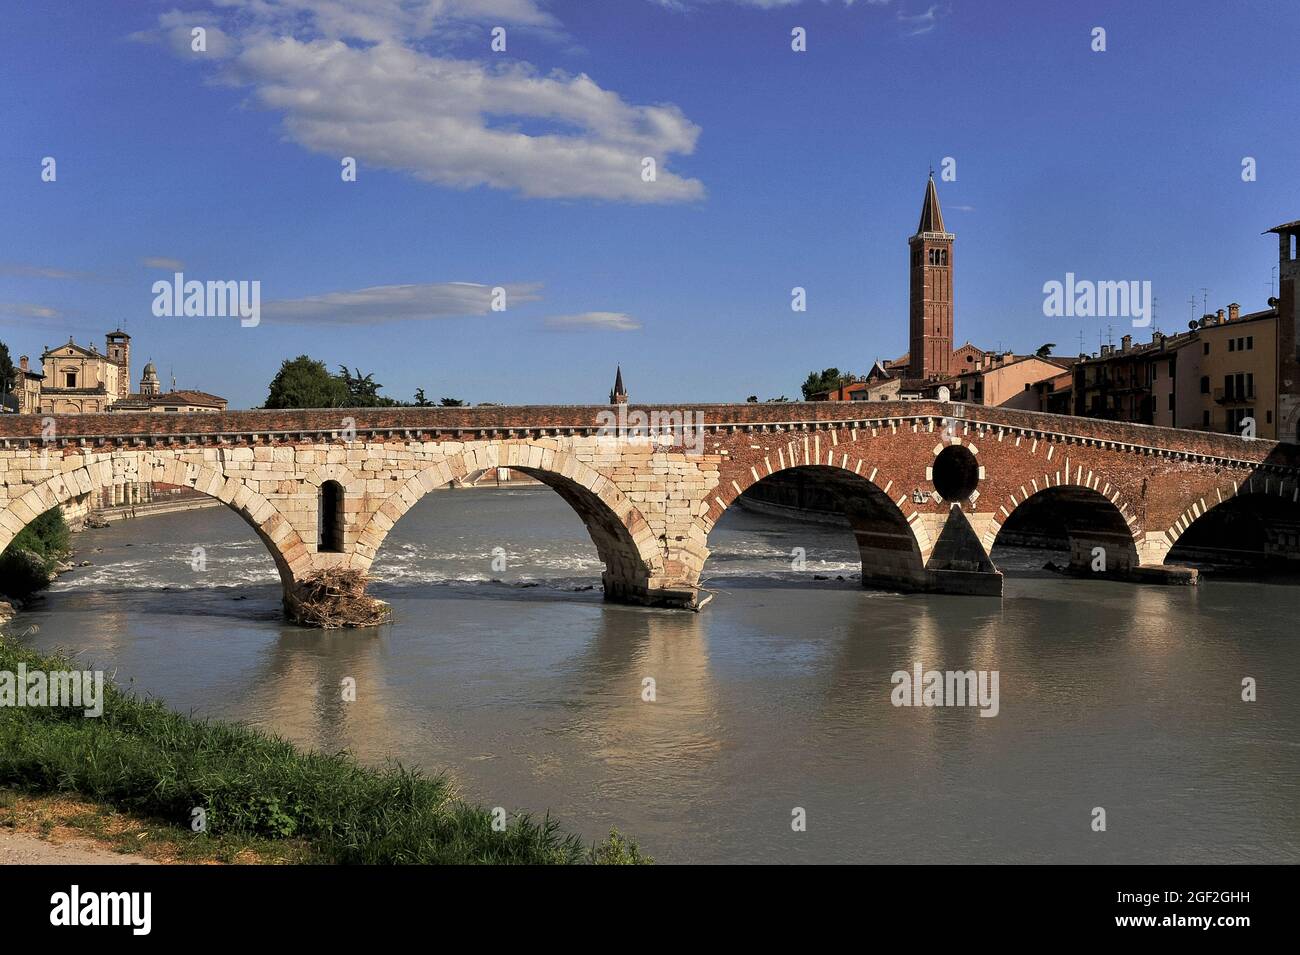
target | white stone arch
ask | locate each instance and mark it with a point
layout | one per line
(634, 559)
(291, 557)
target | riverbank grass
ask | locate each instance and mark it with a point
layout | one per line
(255, 792)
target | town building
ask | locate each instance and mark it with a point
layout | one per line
(76, 379)
(1228, 368)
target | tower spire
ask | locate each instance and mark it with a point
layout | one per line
(931, 214)
(619, 395)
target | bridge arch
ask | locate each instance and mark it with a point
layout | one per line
(635, 565)
(291, 557)
(893, 543)
(1079, 516)
(1250, 522)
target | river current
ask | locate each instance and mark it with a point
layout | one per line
(530, 691)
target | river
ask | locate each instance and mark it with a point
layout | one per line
(528, 689)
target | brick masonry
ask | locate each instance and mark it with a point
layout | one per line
(650, 505)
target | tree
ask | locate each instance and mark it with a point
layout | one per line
(420, 400)
(452, 403)
(827, 380)
(306, 383)
(751, 399)
(8, 373)
(1045, 350)
(363, 390)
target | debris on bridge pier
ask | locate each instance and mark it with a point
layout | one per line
(334, 598)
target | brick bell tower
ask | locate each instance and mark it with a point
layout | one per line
(930, 320)
(1288, 315)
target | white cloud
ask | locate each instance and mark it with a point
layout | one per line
(915, 25)
(44, 272)
(176, 32)
(162, 262)
(762, 4)
(28, 310)
(393, 303)
(608, 321)
(452, 121)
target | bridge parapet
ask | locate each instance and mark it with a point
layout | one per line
(650, 502)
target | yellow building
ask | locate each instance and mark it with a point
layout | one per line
(1238, 372)
(79, 380)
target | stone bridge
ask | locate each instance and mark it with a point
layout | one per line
(927, 487)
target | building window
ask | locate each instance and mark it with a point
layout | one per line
(69, 379)
(1205, 419)
(1268, 417)
(1171, 401)
(1250, 385)
(1207, 348)
(329, 519)
(1232, 344)
(1205, 384)
(1250, 343)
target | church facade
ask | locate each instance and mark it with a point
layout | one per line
(76, 379)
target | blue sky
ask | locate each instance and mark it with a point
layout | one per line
(522, 169)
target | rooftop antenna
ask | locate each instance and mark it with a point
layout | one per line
(1205, 301)
(1191, 302)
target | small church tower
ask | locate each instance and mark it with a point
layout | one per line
(619, 395)
(119, 353)
(149, 384)
(930, 313)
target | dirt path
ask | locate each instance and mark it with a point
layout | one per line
(19, 848)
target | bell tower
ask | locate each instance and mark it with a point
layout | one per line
(119, 353)
(1288, 315)
(930, 313)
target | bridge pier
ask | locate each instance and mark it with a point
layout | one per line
(1118, 557)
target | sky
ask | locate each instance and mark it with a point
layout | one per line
(523, 169)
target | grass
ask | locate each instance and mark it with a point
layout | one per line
(261, 797)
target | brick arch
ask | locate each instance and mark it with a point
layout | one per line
(1273, 488)
(633, 558)
(1058, 471)
(1108, 525)
(836, 458)
(893, 550)
(282, 541)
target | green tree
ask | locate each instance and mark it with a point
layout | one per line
(420, 400)
(306, 383)
(1045, 350)
(30, 558)
(829, 378)
(8, 373)
(452, 403)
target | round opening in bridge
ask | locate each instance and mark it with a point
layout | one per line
(956, 473)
